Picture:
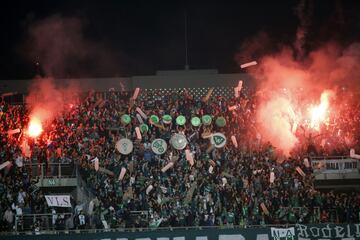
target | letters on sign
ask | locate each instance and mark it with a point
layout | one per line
(58, 200)
(328, 231)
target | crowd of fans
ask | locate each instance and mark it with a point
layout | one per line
(225, 186)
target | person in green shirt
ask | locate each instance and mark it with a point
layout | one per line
(230, 217)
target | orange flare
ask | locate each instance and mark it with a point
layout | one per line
(35, 128)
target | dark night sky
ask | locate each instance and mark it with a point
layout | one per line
(145, 36)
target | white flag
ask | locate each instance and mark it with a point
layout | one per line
(210, 91)
(143, 115)
(149, 188)
(138, 133)
(272, 177)
(264, 208)
(105, 224)
(300, 171)
(11, 132)
(189, 157)
(139, 118)
(224, 181)
(167, 167)
(306, 162)
(245, 65)
(239, 86)
(122, 173)
(5, 164)
(96, 164)
(136, 93)
(233, 139)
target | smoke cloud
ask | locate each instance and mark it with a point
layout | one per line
(287, 85)
(304, 12)
(47, 100)
(62, 49)
(59, 45)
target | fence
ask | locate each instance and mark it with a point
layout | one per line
(51, 223)
(50, 170)
(299, 210)
(27, 222)
(150, 93)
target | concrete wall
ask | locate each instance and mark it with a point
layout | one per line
(162, 79)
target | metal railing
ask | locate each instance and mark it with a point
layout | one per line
(298, 210)
(51, 170)
(328, 157)
(27, 222)
(143, 229)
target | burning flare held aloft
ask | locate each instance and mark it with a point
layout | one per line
(35, 127)
(283, 112)
(319, 113)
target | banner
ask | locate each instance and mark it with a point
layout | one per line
(328, 231)
(58, 200)
(283, 233)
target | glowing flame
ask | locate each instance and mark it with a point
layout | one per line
(318, 114)
(35, 128)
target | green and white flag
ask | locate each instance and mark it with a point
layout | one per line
(159, 146)
(218, 140)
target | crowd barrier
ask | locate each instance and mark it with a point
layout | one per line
(50, 170)
(25, 222)
(274, 232)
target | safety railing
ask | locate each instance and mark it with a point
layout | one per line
(49, 221)
(329, 157)
(143, 229)
(314, 212)
(336, 164)
(51, 170)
